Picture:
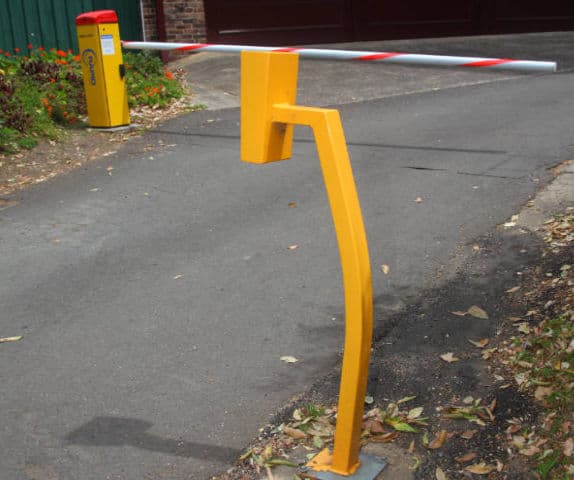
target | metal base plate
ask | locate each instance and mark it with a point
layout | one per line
(120, 128)
(369, 468)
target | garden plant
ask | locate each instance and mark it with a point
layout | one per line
(42, 93)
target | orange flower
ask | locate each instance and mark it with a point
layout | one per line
(7, 54)
(169, 75)
(61, 53)
(52, 80)
(30, 46)
(16, 50)
(76, 58)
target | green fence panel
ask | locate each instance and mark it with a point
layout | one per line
(51, 23)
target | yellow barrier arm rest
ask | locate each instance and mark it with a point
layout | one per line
(268, 89)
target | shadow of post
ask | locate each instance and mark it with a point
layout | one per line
(117, 431)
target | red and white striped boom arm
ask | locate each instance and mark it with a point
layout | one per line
(388, 57)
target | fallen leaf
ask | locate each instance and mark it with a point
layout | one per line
(10, 339)
(280, 461)
(480, 468)
(292, 205)
(246, 455)
(486, 354)
(449, 357)
(568, 447)
(425, 439)
(492, 406)
(477, 312)
(418, 199)
(523, 328)
(294, 432)
(416, 463)
(467, 434)
(510, 224)
(476, 247)
(267, 453)
(467, 457)
(439, 474)
(406, 399)
(479, 343)
(385, 438)
(499, 466)
(411, 447)
(385, 269)
(519, 441)
(293, 247)
(177, 277)
(373, 426)
(513, 289)
(513, 429)
(415, 413)
(318, 442)
(399, 425)
(532, 450)
(459, 313)
(542, 392)
(289, 359)
(439, 440)
(520, 378)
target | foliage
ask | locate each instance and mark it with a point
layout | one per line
(42, 90)
(541, 356)
(148, 82)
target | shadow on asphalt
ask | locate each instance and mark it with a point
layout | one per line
(119, 431)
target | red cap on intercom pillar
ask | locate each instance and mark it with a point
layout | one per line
(98, 16)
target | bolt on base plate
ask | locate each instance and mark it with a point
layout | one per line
(369, 469)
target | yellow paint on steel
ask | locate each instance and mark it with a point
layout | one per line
(101, 57)
(263, 78)
(267, 118)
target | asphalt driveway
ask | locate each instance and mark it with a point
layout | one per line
(156, 302)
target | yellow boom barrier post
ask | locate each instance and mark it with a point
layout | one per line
(268, 114)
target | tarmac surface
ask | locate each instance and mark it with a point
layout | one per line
(156, 302)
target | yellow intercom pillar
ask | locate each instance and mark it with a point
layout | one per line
(103, 69)
(268, 114)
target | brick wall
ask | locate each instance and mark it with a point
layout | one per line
(149, 19)
(184, 19)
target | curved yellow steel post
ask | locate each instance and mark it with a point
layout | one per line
(268, 86)
(346, 211)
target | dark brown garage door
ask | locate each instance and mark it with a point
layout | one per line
(284, 22)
